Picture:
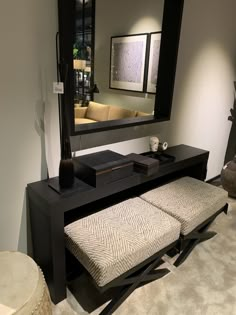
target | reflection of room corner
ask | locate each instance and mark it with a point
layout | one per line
(40, 129)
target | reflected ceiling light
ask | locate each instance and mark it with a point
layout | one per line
(79, 64)
(87, 69)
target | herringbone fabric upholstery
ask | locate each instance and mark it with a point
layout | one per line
(188, 200)
(114, 240)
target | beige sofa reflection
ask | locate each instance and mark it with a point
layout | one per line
(95, 112)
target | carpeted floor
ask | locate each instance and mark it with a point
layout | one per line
(204, 285)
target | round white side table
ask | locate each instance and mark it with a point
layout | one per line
(23, 290)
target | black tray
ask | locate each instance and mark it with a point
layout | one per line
(161, 157)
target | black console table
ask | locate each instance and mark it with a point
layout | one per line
(50, 210)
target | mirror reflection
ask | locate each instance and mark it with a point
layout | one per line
(94, 98)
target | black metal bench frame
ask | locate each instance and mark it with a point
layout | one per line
(200, 234)
(143, 273)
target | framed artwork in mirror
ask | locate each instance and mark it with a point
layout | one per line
(127, 62)
(154, 53)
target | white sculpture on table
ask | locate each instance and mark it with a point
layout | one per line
(154, 143)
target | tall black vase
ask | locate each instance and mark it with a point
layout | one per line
(66, 173)
(228, 177)
(66, 167)
(231, 146)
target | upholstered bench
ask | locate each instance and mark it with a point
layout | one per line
(195, 204)
(122, 245)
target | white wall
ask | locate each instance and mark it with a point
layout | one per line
(202, 99)
(204, 89)
(27, 63)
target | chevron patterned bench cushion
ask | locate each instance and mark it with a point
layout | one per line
(188, 200)
(116, 239)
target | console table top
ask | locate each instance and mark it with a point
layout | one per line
(184, 155)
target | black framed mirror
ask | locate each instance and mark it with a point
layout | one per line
(82, 26)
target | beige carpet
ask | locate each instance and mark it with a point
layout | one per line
(204, 285)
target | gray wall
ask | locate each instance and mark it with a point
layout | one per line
(28, 68)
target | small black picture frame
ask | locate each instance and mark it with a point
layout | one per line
(153, 62)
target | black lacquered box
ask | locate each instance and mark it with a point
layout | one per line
(144, 164)
(102, 168)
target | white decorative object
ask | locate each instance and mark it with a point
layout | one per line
(162, 146)
(154, 143)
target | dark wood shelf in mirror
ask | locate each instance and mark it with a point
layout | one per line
(71, 27)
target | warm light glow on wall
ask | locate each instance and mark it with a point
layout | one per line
(211, 64)
(208, 72)
(204, 94)
(145, 25)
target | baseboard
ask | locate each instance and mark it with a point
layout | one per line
(212, 179)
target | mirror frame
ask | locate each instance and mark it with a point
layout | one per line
(171, 27)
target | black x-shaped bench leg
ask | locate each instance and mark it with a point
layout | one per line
(200, 234)
(190, 245)
(131, 283)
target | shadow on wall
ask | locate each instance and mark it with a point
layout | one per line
(39, 127)
(24, 239)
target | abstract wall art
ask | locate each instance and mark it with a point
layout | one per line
(127, 64)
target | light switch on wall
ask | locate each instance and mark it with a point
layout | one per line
(58, 88)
